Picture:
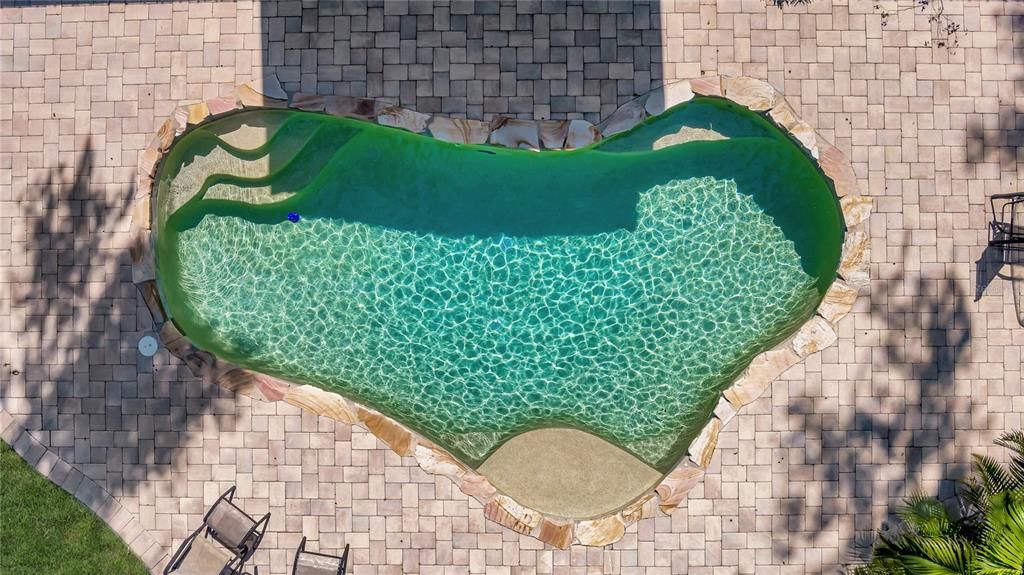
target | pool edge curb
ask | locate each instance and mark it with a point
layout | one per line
(815, 335)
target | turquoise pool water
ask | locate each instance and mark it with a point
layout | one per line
(474, 293)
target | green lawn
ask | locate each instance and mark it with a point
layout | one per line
(45, 530)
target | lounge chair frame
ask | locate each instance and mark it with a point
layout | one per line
(239, 553)
(1006, 228)
(302, 550)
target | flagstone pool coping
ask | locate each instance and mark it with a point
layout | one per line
(501, 505)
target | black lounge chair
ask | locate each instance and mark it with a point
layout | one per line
(309, 563)
(229, 537)
(1007, 227)
(1004, 256)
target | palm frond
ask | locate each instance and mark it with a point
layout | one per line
(938, 555)
(992, 475)
(919, 554)
(925, 515)
(1002, 548)
(1014, 441)
(880, 566)
(985, 536)
(1016, 469)
(973, 497)
(917, 565)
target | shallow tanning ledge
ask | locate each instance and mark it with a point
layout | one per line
(568, 473)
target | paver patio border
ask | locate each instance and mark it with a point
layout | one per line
(815, 335)
(100, 501)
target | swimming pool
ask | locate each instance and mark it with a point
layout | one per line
(474, 293)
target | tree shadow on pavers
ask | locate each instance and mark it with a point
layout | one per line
(78, 382)
(997, 144)
(25, 3)
(533, 59)
(1000, 142)
(902, 422)
(986, 269)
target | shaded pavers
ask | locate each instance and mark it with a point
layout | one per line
(922, 375)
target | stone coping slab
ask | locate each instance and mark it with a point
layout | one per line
(561, 531)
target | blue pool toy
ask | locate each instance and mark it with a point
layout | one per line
(293, 216)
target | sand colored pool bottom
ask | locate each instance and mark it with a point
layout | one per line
(568, 473)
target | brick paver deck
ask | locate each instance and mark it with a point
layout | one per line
(926, 371)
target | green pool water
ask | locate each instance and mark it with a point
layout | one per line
(475, 292)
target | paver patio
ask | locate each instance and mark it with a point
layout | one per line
(926, 371)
